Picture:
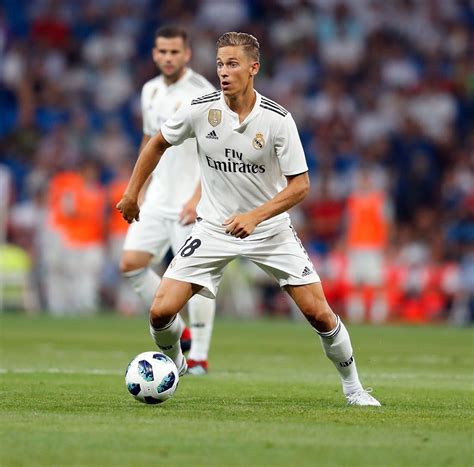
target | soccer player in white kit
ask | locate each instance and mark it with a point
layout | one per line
(169, 207)
(253, 170)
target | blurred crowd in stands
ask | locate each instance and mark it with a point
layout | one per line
(383, 95)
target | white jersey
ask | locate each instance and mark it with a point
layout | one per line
(243, 165)
(177, 175)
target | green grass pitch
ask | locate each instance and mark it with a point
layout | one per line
(271, 398)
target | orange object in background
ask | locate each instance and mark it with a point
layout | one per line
(85, 222)
(368, 227)
(76, 206)
(116, 224)
(60, 184)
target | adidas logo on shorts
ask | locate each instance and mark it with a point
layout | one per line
(306, 271)
(212, 135)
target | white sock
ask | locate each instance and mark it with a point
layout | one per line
(201, 312)
(167, 339)
(338, 348)
(144, 282)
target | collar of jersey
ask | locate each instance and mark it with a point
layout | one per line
(187, 74)
(236, 125)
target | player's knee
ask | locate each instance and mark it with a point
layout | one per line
(129, 264)
(319, 314)
(162, 311)
(125, 265)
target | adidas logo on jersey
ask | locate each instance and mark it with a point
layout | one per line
(212, 135)
(306, 272)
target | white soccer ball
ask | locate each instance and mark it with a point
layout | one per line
(151, 377)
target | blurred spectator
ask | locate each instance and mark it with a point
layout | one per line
(398, 68)
(113, 146)
(415, 163)
(341, 37)
(332, 102)
(222, 16)
(106, 44)
(49, 27)
(434, 109)
(112, 86)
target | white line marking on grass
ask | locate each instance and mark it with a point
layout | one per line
(66, 371)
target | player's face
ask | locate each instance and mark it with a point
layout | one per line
(171, 56)
(235, 70)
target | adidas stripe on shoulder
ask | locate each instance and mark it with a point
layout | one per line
(207, 96)
(213, 96)
(268, 104)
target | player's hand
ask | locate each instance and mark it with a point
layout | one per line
(240, 225)
(188, 213)
(129, 209)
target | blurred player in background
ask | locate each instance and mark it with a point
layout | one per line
(168, 210)
(75, 236)
(368, 230)
(253, 170)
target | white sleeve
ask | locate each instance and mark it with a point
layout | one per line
(179, 127)
(147, 130)
(209, 88)
(289, 149)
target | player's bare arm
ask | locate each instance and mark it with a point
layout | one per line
(188, 213)
(146, 163)
(141, 196)
(242, 225)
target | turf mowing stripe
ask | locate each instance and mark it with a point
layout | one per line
(226, 374)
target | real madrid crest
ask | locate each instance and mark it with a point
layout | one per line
(214, 117)
(258, 142)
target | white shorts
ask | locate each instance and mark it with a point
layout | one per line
(155, 235)
(365, 267)
(202, 258)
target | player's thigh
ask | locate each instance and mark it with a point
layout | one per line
(283, 257)
(149, 235)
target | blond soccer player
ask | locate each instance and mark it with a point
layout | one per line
(253, 170)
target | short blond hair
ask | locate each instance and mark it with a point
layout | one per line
(247, 41)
